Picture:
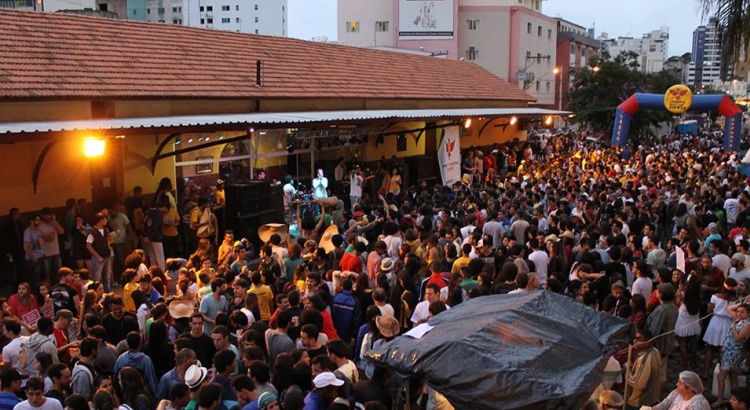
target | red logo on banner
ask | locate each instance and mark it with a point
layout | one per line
(449, 146)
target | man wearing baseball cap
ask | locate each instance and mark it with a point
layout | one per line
(325, 392)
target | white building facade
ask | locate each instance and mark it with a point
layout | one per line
(267, 17)
(510, 38)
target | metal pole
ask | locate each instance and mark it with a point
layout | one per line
(559, 101)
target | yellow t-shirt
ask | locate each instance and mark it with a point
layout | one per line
(265, 296)
(129, 287)
(219, 197)
(460, 263)
(170, 221)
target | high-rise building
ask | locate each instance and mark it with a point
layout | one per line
(651, 49)
(706, 66)
(48, 5)
(654, 50)
(510, 38)
(268, 17)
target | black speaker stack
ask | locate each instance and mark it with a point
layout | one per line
(250, 205)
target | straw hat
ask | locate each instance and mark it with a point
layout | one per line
(388, 326)
(325, 240)
(265, 231)
(179, 309)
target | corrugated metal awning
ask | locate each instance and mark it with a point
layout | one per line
(262, 119)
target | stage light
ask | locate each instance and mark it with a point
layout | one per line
(467, 123)
(513, 120)
(93, 147)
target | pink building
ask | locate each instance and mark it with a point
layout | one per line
(510, 38)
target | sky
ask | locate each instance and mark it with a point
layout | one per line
(317, 18)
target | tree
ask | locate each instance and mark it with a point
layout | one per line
(732, 24)
(596, 93)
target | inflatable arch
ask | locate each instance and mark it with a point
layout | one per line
(678, 100)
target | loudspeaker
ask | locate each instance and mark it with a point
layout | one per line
(277, 201)
(246, 226)
(246, 199)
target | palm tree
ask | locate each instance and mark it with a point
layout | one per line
(732, 23)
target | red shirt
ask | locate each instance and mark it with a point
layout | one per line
(328, 327)
(437, 279)
(61, 339)
(350, 262)
(18, 309)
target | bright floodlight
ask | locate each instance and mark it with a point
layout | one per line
(93, 147)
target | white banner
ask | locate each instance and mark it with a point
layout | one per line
(425, 18)
(449, 156)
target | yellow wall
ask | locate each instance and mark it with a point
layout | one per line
(491, 133)
(139, 150)
(64, 174)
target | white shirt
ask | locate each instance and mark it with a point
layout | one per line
(541, 262)
(421, 312)
(387, 310)
(320, 186)
(289, 193)
(49, 404)
(733, 273)
(355, 186)
(723, 262)
(12, 353)
(644, 286)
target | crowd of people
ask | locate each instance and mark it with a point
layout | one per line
(658, 235)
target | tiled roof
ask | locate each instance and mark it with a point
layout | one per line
(55, 55)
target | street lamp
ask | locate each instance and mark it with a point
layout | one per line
(558, 70)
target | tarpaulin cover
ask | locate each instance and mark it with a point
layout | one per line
(531, 350)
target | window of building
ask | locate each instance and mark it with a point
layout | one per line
(572, 48)
(161, 10)
(472, 24)
(256, 31)
(548, 87)
(256, 7)
(537, 85)
(549, 34)
(225, 8)
(148, 11)
(256, 19)
(382, 26)
(179, 9)
(472, 53)
(179, 21)
(528, 28)
(536, 5)
(226, 20)
(209, 8)
(135, 12)
(210, 21)
(162, 21)
(203, 21)
(174, 9)
(237, 20)
(202, 9)
(237, 8)
(352, 26)
(174, 21)
(539, 31)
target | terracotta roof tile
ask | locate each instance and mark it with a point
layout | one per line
(61, 55)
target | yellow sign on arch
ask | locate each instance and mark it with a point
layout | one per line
(678, 99)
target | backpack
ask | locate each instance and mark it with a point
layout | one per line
(150, 226)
